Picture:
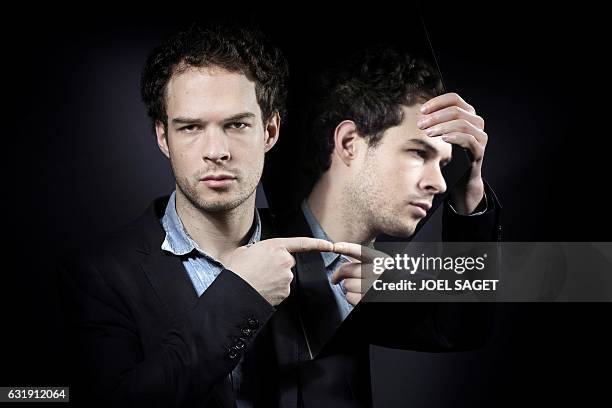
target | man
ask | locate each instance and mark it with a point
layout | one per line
(164, 310)
(381, 134)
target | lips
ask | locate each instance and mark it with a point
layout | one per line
(218, 180)
(218, 177)
(424, 205)
(421, 208)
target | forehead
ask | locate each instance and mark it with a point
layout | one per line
(400, 135)
(210, 91)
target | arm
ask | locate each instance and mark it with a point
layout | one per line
(191, 358)
(483, 225)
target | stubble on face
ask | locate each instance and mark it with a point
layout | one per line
(221, 199)
(374, 205)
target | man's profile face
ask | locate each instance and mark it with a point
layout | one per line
(399, 175)
(216, 139)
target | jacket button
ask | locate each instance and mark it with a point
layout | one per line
(233, 353)
(253, 323)
(246, 331)
(239, 344)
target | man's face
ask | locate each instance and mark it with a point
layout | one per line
(215, 139)
(396, 180)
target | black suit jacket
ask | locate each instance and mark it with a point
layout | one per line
(141, 336)
(333, 366)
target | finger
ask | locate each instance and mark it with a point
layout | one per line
(353, 285)
(345, 271)
(444, 101)
(448, 114)
(353, 298)
(288, 261)
(460, 126)
(302, 244)
(466, 141)
(357, 251)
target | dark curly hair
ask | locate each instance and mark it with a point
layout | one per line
(370, 90)
(236, 49)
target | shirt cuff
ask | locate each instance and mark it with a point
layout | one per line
(480, 209)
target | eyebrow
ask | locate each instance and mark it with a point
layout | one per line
(431, 148)
(238, 116)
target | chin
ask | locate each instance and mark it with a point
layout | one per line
(218, 206)
(217, 202)
(401, 230)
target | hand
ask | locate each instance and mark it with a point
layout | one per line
(266, 265)
(358, 275)
(455, 121)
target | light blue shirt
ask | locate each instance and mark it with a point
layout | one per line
(332, 262)
(202, 270)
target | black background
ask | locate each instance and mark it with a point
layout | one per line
(80, 160)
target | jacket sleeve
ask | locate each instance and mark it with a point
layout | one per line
(484, 227)
(469, 325)
(192, 357)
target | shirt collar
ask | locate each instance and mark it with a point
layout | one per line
(317, 232)
(178, 241)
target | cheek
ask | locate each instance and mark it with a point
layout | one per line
(402, 182)
(183, 159)
(250, 155)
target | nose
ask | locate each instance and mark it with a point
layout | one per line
(215, 147)
(433, 180)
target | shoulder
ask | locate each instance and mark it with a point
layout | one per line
(123, 246)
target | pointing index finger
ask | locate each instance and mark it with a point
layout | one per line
(362, 253)
(305, 244)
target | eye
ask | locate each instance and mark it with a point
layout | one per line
(418, 152)
(190, 128)
(237, 125)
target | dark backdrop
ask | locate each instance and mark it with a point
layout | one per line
(80, 160)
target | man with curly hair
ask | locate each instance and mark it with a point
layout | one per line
(165, 312)
(381, 131)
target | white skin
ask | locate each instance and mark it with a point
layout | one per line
(215, 127)
(369, 190)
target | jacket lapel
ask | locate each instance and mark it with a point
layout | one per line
(316, 305)
(284, 332)
(164, 271)
(318, 309)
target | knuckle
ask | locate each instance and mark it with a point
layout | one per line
(481, 121)
(287, 263)
(289, 276)
(456, 112)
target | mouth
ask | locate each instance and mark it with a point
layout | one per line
(218, 180)
(420, 208)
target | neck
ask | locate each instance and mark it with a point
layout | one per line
(336, 213)
(218, 233)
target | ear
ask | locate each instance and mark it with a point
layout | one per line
(345, 141)
(162, 138)
(271, 132)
